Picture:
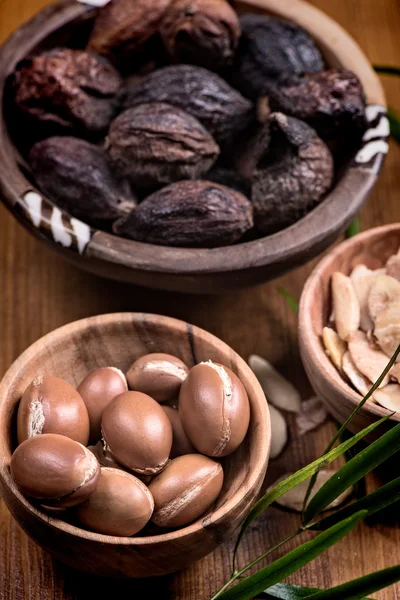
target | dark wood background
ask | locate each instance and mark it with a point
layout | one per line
(39, 292)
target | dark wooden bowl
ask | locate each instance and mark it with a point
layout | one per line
(117, 339)
(371, 248)
(196, 270)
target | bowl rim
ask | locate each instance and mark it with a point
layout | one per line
(43, 218)
(74, 328)
(311, 342)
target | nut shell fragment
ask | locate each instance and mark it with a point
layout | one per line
(279, 432)
(369, 360)
(393, 266)
(387, 327)
(278, 390)
(389, 397)
(362, 279)
(335, 347)
(383, 290)
(313, 414)
(361, 383)
(345, 305)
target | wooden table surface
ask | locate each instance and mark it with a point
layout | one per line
(39, 292)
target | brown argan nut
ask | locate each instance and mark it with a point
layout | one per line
(156, 144)
(107, 460)
(202, 32)
(121, 504)
(137, 433)
(189, 214)
(214, 409)
(180, 444)
(158, 375)
(97, 390)
(71, 89)
(185, 490)
(51, 405)
(122, 26)
(55, 470)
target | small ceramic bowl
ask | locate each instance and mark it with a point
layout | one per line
(372, 248)
(117, 340)
(195, 270)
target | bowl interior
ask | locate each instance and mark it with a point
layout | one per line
(372, 248)
(117, 340)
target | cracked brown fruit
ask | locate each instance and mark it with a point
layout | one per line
(272, 50)
(78, 178)
(330, 101)
(157, 144)
(202, 32)
(292, 176)
(69, 88)
(123, 26)
(189, 214)
(222, 110)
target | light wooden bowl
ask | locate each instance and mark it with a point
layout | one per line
(371, 248)
(196, 270)
(117, 339)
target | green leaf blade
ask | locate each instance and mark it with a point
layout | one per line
(300, 476)
(353, 471)
(292, 302)
(354, 228)
(358, 588)
(291, 562)
(375, 501)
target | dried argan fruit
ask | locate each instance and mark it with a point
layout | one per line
(387, 327)
(361, 383)
(189, 214)
(77, 176)
(335, 347)
(230, 178)
(220, 108)
(292, 176)
(272, 50)
(383, 290)
(368, 359)
(331, 102)
(122, 26)
(202, 32)
(70, 88)
(345, 306)
(156, 144)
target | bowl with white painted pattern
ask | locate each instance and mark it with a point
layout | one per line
(198, 270)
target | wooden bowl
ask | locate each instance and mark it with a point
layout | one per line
(117, 340)
(195, 270)
(371, 248)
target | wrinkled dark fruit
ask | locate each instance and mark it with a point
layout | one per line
(189, 214)
(272, 50)
(231, 179)
(248, 153)
(292, 177)
(202, 32)
(156, 144)
(331, 101)
(122, 26)
(71, 88)
(201, 93)
(77, 177)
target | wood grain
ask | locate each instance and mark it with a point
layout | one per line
(40, 291)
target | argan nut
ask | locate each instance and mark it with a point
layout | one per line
(121, 505)
(214, 409)
(51, 405)
(97, 390)
(137, 433)
(158, 375)
(185, 490)
(107, 460)
(55, 470)
(180, 442)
